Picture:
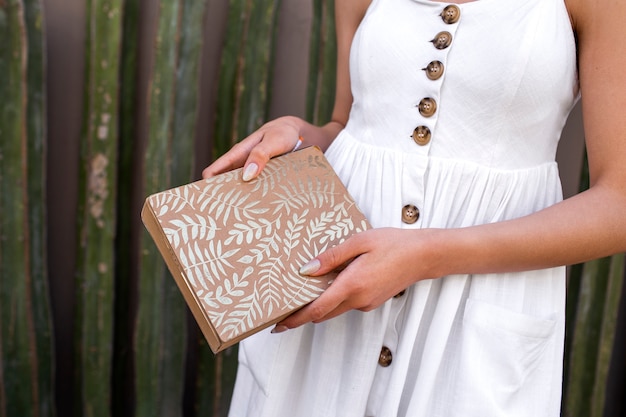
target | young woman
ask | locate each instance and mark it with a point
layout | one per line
(445, 130)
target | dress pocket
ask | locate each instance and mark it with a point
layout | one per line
(503, 366)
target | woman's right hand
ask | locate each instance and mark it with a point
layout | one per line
(272, 139)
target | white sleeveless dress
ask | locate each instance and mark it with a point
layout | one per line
(466, 345)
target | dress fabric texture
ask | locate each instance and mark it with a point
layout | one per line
(465, 345)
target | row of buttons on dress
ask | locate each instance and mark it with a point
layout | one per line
(422, 134)
(434, 70)
(427, 106)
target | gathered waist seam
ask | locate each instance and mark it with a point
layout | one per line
(407, 157)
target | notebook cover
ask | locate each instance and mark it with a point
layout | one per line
(235, 248)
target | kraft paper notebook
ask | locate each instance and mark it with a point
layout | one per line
(235, 248)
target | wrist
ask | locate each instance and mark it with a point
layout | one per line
(445, 252)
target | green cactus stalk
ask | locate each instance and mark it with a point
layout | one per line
(36, 163)
(160, 346)
(244, 85)
(186, 95)
(243, 103)
(322, 64)
(16, 324)
(97, 209)
(25, 345)
(216, 380)
(593, 334)
(607, 333)
(122, 380)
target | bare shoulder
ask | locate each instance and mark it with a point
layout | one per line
(589, 16)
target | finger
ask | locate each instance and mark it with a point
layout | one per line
(345, 293)
(341, 309)
(335, 258)
(317, 311)
(234, 158)
(271, 145)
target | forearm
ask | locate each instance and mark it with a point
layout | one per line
(587, 226)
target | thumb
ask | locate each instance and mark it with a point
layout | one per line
(333, 259)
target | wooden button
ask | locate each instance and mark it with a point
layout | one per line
(427, 107)
(442, 40)
(410, 214)
(434, 70)
(421, 135)
(385, 357)
(451, 14)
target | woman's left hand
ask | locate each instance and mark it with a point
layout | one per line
(381, 263)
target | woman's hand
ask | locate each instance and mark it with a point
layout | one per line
(281, 135)
(382, 263)
(273, 138)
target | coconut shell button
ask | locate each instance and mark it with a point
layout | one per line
(427, 107)
(434, 70)
(385, 357)
(410, 214)
(451, 14)
(442, 40)
(421, 135)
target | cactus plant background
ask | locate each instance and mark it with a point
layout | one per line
(106, 101)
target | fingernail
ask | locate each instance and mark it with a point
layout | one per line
(310, 268)
(280, 328)
(250, 171)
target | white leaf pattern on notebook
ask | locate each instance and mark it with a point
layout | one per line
(240, 245)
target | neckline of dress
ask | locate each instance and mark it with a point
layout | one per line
(466, 4)
(452, 2)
